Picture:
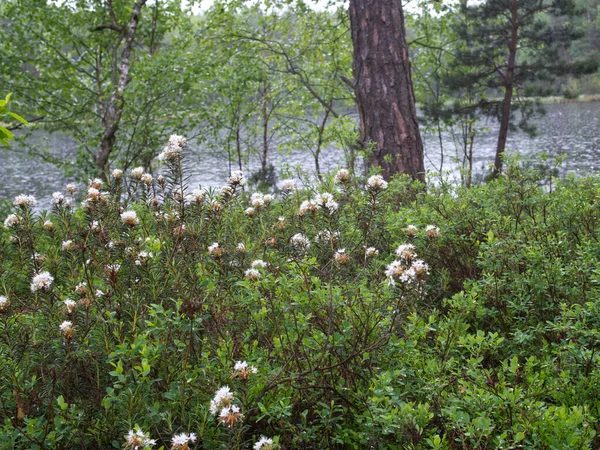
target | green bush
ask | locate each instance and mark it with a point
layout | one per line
(313, 308)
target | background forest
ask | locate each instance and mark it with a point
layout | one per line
(288, 306)
(252, 79)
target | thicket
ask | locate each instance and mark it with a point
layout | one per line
(353, 314)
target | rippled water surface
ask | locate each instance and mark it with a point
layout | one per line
(570, 128)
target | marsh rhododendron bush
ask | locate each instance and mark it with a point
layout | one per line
(143, 313)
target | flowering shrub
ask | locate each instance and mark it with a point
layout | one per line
(340, 316)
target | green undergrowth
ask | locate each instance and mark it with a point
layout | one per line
(480, 334)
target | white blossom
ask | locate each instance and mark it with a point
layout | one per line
(4, 303)
(307, 206)
(257, 200)
(252, 274)
(300, 242)
(197, 195)
(377, 183)
(174, 148)
(326, 201)
(230, 415)
(215, 250)
(130, 218)
(24, 201)
(117, 174)
(66, 328)
(223, 397)
(137, 440)
(181, 441)
(11, 221)
(41, 281)
(146, 178)
(237, 177)
(406, 252)
(258, 264)
(137, 173)
(70, 305)
(431, 231)
(411, 230)
(58, 199)
(263, 443)
(342, 176)
(67, 245)
(289, 185)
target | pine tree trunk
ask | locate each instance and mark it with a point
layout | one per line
(508, 91)
(383, 87)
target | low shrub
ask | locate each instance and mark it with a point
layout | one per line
(348, 315)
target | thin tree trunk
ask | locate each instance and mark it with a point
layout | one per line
(383, 87)
(265, 123)
(114, 110)
(508, 91)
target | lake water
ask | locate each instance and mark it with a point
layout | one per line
(568, 128)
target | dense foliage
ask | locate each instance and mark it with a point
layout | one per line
(125, 320)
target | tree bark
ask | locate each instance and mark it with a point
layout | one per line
(114, 110)
(383, 87)
(508, 91)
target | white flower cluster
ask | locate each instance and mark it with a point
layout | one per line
(70, 305)
(4, 303)
(300, 242)
(236, 178)
(117, 174)
(130, 218)
(411, 231)
(327, 237)
(242, 369)
(342, 176)
(258, 199)
(289, 185)
(71, 188)
(340, 256)
(66, 328)
(254, 273)
(41, 281)
(94, 195)
(324, 200)
(174, 148)
(371, 252)
(143, 257)
(407, 269)
(307, 206)
(222, 403)
(137, 440)
(406, 252)
(67, 245)
(96, 183)
(137, 173)
(432, 232)
(377, 183)
(25, 201)
(215, 250)
(58, 200)
(181, 441)
(264, 443)
(146, 178)
(196, 196)
(11, 221)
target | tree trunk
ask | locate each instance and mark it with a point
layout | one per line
(112, 117)
(508, 91)
(383, 87)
